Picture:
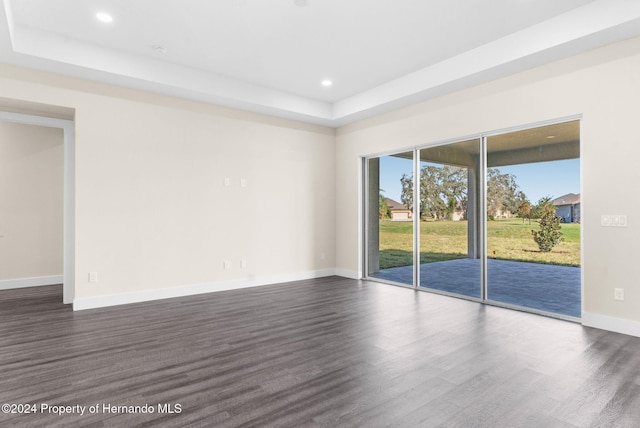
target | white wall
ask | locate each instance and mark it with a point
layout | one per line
(153, 217)
(31, 164)
(601, 85)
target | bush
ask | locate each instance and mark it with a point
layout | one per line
(549, 234)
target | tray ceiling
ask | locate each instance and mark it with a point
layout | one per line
(270, 56)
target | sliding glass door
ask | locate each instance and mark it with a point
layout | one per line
(450, 230)
(390, 232)
(533, 218)
(493, 218)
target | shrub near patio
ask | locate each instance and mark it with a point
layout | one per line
(509, 239)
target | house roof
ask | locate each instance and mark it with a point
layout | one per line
(568, 199)
(396, 206)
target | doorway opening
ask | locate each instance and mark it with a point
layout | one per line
(67, 128)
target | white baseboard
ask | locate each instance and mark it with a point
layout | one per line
(605, 322)
(346, 273)
(94, 302)
(8, 284)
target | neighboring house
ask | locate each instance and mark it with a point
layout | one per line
(399, 212)
(568, 207)
(503, 214)
(459, 213)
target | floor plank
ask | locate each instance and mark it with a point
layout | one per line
(320, 353)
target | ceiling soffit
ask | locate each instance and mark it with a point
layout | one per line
(593, 24)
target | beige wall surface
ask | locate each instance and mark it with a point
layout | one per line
(152, 208)
(602, 86)
(31, 196)
(153, 212)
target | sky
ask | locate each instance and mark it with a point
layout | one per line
(536, 180)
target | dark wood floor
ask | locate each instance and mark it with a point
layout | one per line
(330, 352)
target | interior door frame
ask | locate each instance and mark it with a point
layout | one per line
(68, 129)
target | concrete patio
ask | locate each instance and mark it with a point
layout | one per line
(544, 287)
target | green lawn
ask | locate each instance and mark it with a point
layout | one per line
(447, 240)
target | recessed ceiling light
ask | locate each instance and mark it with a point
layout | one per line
(160, 49)
(104, 17)
(326, 83)
(551, 137)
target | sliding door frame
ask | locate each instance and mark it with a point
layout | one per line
(366, 227)
(482, 215)
(416, 217)
(482, 218)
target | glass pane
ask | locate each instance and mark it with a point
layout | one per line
(390, 218)
(533, 218)
(450, 232)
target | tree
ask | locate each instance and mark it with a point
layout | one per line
(550, 233)
(538, 210)
(383, 208)
(442, 190)
(524, 211)
(502, 193)
(406, 197)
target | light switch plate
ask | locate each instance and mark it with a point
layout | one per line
(613, 220)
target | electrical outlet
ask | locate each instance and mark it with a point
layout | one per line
(93, 276)
(226, 264)
(243, 264)
(618, 293)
